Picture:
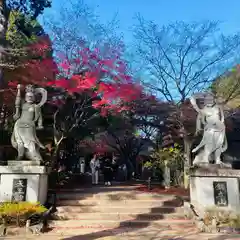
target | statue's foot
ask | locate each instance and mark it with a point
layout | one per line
(194, 150)
(223, 165)
(201, 164)
(19, 158)
(198, 161)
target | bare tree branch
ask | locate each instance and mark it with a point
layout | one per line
(182, 58)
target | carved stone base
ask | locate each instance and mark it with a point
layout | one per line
(212, 186)
(212, 166)
(23, 183)
(211, 170)
(23, 163)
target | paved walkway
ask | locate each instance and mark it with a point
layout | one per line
(120, 213)
(135, 236)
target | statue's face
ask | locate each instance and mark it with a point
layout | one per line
(209, 101)
(29, 98)
(209, 104)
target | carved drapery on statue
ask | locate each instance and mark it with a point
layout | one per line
(24, 137)
(210, 119)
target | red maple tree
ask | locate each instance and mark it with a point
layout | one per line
(105, 74)
(37, 67)
(102, 83)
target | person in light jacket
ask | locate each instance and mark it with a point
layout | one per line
(95, 167)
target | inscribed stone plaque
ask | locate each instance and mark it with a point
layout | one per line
(19, 190)
(220, 193)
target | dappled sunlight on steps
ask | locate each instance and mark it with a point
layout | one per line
(110, 211)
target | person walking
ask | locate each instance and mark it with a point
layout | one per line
(108, 172)
(114, 166)
(125, 172)
(95, 167)
(62, 163)
(82, 165)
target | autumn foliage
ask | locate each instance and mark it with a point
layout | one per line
(36, 66)
(103, 76)
(105, 79)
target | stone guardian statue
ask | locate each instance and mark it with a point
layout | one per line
(210, 119)
(24, 137)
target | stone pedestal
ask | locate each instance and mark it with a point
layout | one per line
(23, 163)
(215, 187)
(22, 181)
(167, 177)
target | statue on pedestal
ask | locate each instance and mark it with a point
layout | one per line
(24, 137)
(211, 119)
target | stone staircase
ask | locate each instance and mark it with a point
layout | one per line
(119, 212)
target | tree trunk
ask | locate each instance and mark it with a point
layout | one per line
(55, 152)
(167, 176)
(187, 159)
(130, 168)
(3, 30)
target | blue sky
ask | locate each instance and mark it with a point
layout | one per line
(164, 12)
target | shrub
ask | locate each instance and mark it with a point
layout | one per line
(19, 212)
(171, 157)
(148, 164)
(224, 218)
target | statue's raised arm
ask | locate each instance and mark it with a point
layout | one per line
(18, 102)
(43, 92)
(200, 117)
(194, 104)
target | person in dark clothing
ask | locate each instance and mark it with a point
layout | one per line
(108, 172)
(115, 165)
(62, 161)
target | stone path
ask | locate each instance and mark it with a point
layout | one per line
(120, 213)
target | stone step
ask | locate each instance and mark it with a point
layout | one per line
(146, 216)
(118, 209)
(122, 204)
(113, 196)
(129, 234)
(123, 233)
(108, 224)
(112, 200)
(90, 188)
(118, 200)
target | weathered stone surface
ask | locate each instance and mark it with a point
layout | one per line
(203, 193)
(36, 178)
(23, 163)
(25, 169)
(214, 170)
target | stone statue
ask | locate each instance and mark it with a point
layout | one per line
(214, 141)
(24, 137)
